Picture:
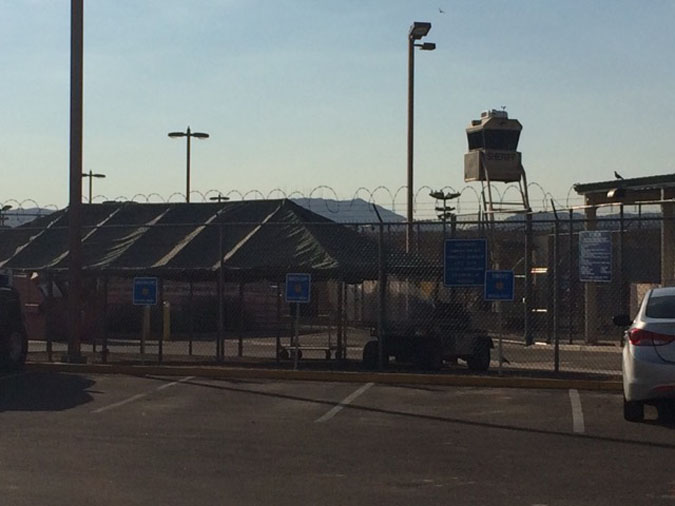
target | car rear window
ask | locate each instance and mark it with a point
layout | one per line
(661, 306)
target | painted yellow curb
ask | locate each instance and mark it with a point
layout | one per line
(334, 376)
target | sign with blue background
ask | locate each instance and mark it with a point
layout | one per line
(298, 287)
(465, 262)
(499, 285)
(595, 256)
(145, 291)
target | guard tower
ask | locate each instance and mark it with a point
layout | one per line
(493, 157)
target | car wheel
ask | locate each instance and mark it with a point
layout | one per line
(666, 411)
(480, 360)
(633, 411)
(370, 351)
(16, 350)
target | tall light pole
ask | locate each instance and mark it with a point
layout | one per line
(188, 134)
(75, 178)
(417, 31)
(91, 175)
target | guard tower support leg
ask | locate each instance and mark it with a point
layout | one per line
(523, 190)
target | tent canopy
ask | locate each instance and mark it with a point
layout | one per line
(260, 239)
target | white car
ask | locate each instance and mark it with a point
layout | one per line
(649, 356)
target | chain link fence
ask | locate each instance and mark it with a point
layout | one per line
(371, 283)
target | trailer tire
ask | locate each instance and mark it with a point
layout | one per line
(429, 355)
(370, 355)
(480, 360)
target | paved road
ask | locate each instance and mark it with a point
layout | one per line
(78, 440)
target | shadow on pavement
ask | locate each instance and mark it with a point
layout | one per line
(43, 391)
(435, 418)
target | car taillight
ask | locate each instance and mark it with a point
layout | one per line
(641, 337)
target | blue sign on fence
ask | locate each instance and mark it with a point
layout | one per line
(498, 285)
(298, 287)
(465, 262)
(145, 291)
(595, 256)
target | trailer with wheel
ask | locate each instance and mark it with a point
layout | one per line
(433, 335)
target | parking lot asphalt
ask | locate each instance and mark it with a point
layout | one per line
(113, 439)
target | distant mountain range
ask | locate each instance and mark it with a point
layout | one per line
(603, 222)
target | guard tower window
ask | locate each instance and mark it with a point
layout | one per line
(475, 140)
(500, 139)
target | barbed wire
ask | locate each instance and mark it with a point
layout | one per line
(470, 201)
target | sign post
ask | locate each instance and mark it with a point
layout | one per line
(499, 286)
(145, 294)
(298, 291)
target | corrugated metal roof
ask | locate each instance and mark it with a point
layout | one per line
(636, 183)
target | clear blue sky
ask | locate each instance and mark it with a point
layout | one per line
(302, 93)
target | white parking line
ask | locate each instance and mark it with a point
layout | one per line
(183, 380)
(121, 403)
(346, 401)
(577, 412)
(140, 396)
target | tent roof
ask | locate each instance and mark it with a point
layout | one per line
(260, 239)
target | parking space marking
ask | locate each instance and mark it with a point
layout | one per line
(183, 380)
(577, 412)
(346, 401)
(120, 403)
(140, 396)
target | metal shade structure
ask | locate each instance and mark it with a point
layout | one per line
(3, 210)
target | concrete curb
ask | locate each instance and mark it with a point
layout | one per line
(333, 376)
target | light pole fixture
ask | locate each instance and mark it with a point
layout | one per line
(219, 198)
(418, 30)
(188, 134)
(91, 175)
(444, 213)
